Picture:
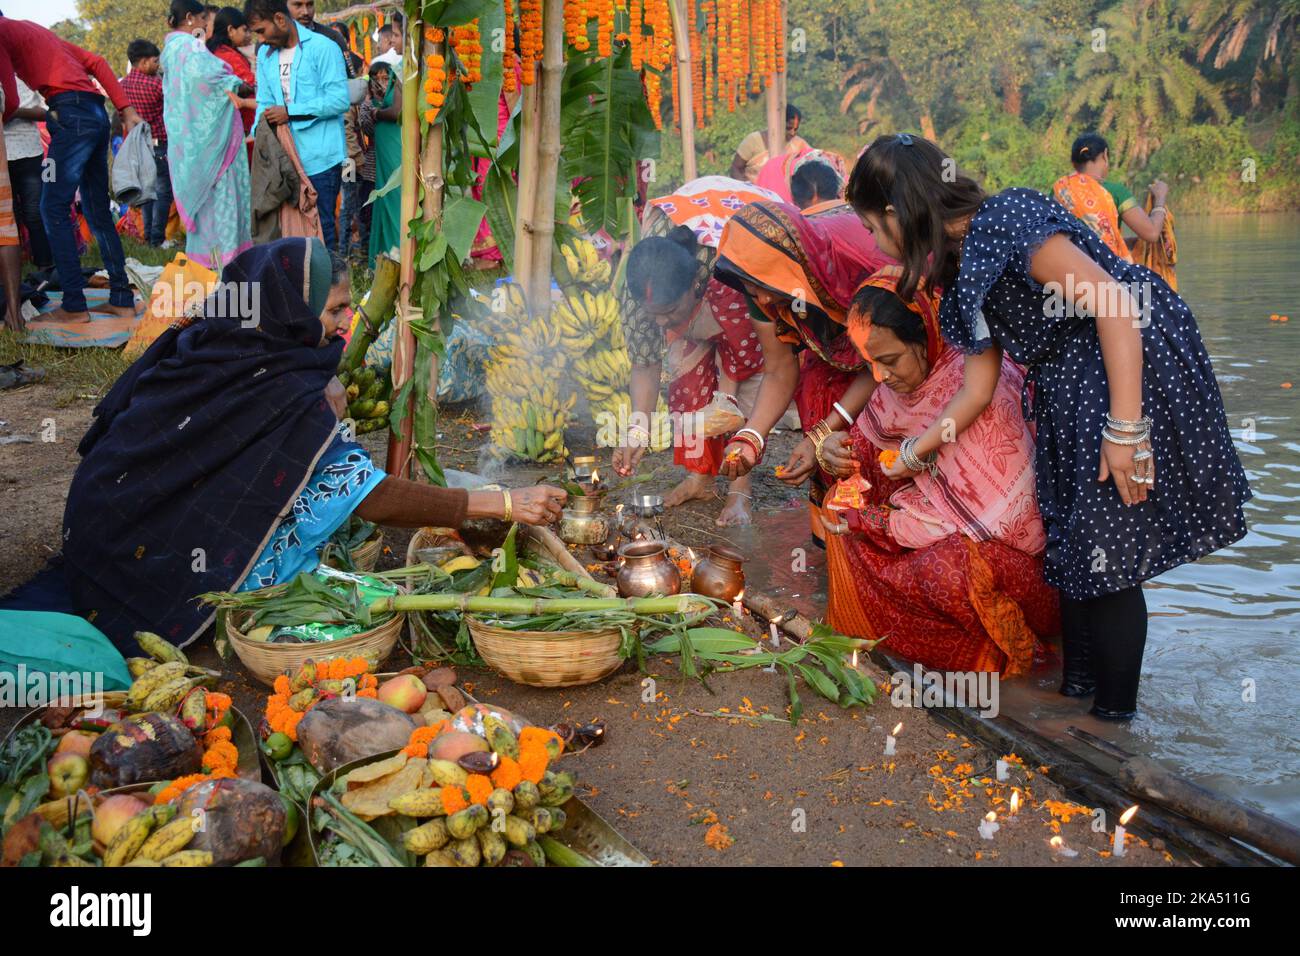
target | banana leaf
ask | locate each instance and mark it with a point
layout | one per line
(606, 127)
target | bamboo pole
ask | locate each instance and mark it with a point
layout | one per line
(434, 185)
(529, 133)
(399, 445)
(776, 97)
(548, 157)
(685, 92)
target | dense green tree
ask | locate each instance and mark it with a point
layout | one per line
(1223, 30)
(111, 25)
(1135, 81)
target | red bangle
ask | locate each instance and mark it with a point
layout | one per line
(758, 452)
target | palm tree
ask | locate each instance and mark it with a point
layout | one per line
(1140, 84)
(1222, 28)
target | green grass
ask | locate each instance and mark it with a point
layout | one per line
(78, 374)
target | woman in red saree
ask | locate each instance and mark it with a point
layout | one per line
(675, 313)
(945, 567)
(799, 272)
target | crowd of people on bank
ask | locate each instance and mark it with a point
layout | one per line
(261, 123)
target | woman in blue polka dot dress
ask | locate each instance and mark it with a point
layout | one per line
(1136, 470)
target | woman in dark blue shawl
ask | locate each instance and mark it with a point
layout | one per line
(207, 444)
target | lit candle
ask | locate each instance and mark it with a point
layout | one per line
(891, 739)
(1060, 849)
(1117, 841)
(1015, 806)
(989, 825)
(737, 604)
(1003, 770)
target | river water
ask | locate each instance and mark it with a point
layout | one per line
(1221, 678)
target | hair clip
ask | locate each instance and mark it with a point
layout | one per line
(905, 139)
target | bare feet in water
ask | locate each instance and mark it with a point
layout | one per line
(737, 510)
(61, 315)
(694, 487)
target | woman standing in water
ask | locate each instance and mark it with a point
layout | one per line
(1135, 469)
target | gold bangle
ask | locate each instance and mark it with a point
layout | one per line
(509, 508)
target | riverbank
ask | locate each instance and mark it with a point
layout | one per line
(691, 775)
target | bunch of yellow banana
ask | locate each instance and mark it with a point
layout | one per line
(533, 427)
(582, 264)
(661, 427)
(505, 309)
(604, 367)
(584, 318)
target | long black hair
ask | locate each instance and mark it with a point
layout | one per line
(226, 18)
(887, 310)
(660, 269)
(926, 191)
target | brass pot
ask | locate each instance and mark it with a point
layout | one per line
(719, 575)
(583, 527)
(647, 570)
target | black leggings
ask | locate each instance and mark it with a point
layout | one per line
(1105, 637)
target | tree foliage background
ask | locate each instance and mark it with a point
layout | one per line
(1205, 93)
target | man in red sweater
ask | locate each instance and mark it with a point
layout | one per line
(79, 132)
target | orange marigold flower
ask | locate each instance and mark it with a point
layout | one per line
(282, 685)
(454, 799)
(507, 774)
(532, 764)
(418, 744)
(888, 457)
(479, 787)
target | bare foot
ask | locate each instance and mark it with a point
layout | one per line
(694, 487)
(121, 311)
(736, 511)
(62, 315)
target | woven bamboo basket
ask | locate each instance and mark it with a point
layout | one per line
(540, 658)
(367, 556)
(269, 661)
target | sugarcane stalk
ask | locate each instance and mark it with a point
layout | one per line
(583, 583)
(376, 310)
(404, 603)
(559, 854)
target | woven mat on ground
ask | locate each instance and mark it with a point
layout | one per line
(102, 331)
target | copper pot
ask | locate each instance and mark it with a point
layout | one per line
(721, 574)
(647, 570)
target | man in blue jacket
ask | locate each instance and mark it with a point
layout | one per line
(302, 81)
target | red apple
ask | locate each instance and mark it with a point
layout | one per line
(68, 772)
(76, 742)
(112, 813)
(406, 692)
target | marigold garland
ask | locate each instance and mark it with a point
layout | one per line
(530, 39)
(508, 82)
(281, 718)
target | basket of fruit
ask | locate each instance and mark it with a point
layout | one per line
(480, 789)
(325, 613)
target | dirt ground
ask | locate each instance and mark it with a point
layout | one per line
(688, 776)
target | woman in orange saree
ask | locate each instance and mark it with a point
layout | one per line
(945, 567)
(798, 272)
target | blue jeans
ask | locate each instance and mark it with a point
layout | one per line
(78, 127)
(327, 186)
(349, 214)
(25, 177)
(155, 213)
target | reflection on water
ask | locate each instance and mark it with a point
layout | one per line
(1221, 679)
